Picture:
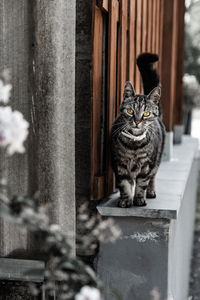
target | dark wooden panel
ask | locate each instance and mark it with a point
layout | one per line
(112, 80)
(149, 41)
(154, 26)
(178, 105)
(157, 48)
(96, 97)
(123, 47)
(145, 25)
(166, 63)
(132, 19)
(161, 36)
(138, 43)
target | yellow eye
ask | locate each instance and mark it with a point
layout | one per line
(130, 111)
(146, 114)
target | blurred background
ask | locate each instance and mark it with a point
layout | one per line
(191, 77)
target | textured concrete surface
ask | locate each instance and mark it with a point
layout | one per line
(154, 250)
(53, 107)
(181, 239)
(170, 187)
(168, 148)
(194, 291)
(38, 45)
(137, 263)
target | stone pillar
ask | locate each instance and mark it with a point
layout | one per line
(53, 107)
(37, 42)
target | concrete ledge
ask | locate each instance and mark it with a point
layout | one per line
(21, 270)
(171, 182)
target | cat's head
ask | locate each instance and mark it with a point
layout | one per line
(139, 111)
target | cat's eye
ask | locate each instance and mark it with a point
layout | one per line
(130, 111)
(146, 114)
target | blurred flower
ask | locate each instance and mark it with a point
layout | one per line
(155, 295)
(88, 293)
(5, 90)
(13, 130)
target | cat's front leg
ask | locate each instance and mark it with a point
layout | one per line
(151, 188)
(126, 197)
(140, 188)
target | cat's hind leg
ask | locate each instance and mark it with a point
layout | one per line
(126, 197)
(151, 194)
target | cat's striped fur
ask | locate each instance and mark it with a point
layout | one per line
(137, 141)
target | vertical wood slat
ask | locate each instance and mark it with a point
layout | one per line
(174, 55)
(145, 25)
(149, 42)
(96, 99)
(105, 4)
(166, 65)
(161, 21)
(157, 48)
(122, 70)
(154, 26)
(131, 50)
(178, 105)
(112, 88)
(138, 43)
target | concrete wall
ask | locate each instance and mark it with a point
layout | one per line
(137, 263)
(181, 240)
(38, 44)
(53, 106)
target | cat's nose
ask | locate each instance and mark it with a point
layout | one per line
(137, 122)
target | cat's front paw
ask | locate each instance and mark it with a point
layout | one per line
(139, 201)
(151, 194)
(125, 203)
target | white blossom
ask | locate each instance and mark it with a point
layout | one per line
(13, 130)
(88, 293)
(5, 91)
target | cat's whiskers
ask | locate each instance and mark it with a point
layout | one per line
(121, 128)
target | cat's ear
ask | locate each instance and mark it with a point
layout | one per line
(155, 95)
(128, 90)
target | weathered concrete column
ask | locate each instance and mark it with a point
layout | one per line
(53, 107)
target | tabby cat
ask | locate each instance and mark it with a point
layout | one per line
(137, 137)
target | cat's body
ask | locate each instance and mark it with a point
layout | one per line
(137, 137)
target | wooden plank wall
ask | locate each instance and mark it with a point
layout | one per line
(134, 26)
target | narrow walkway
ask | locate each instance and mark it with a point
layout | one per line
(194, 290)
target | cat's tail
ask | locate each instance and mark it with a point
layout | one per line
(150, 77)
